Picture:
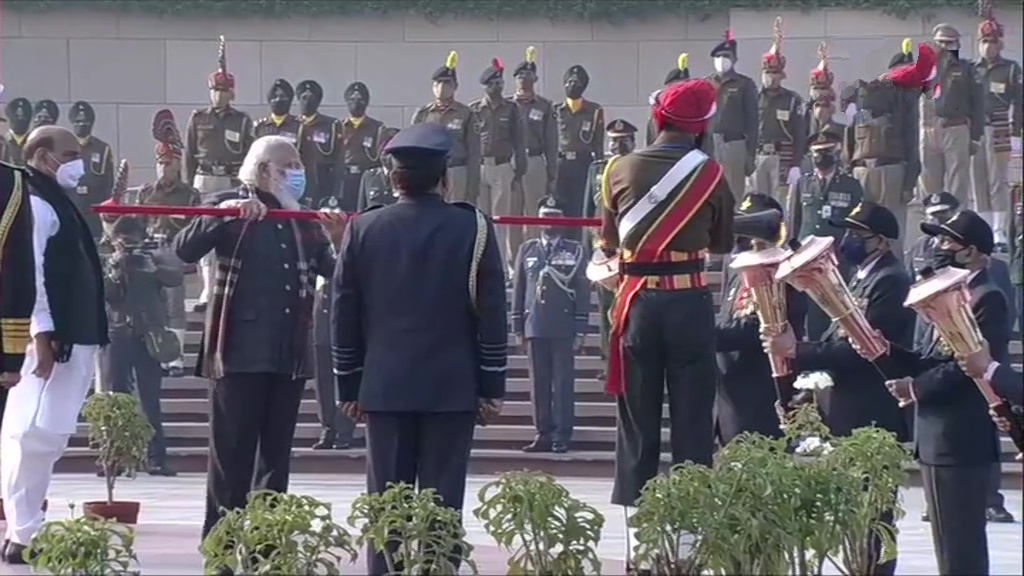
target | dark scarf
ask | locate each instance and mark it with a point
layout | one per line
(228, 268)
(17, 271)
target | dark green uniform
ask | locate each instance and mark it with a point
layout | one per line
(375, 189)
(216, 142)
(320, 147)
(97, 183)
(286, 126)
(360, 149)
(19, 116)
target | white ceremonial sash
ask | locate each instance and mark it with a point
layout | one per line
(660, 191)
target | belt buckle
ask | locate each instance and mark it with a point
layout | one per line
(569, 155)
(768, 148)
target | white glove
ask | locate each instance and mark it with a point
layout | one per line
(794, 175)
(1015, 144)
(851, 111)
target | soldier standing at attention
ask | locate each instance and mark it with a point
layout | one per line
(580, 141)
(541, 141)
(320, 147)
(952, 120)
(45, 113)
(463, 126)
(822, 114)
(677, 74)
(782, 125)
(375, 187)
(735, 126)
(97, 183)
(217, 139)
(19, 118)
(280, 122)
(1003, 89)
(17, 289)
(550, 306)
(819, 197)
(361, 143)
(502, 149)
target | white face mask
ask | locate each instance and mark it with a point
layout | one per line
(722, 64)
(69, 173)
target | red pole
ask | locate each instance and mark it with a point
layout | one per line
(187, 211)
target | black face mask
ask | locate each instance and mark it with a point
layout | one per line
(574, 91)
(824, 159)
(943, 257)
(553, 231)
(357, 107)
(622, 146)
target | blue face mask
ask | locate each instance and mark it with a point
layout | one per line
(853, 249)
(295, 182)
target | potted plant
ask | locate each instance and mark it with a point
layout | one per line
(413, 530)
(546, 530)
(120, 434)
(83, 545)
(278, 534)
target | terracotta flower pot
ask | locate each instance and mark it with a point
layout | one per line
(121, 512)
(46, 505)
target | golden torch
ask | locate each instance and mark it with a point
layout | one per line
(943, 299)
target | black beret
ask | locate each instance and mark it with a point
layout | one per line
(19, 105)
(528, 65)
(447, 72)
(493, 72)
(727, 46)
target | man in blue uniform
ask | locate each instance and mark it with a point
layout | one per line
(420, 325)
(938, 208)
(550, 302)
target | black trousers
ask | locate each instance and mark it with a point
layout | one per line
(886, 568)
(349, 201)
(249, 414)
(570, 187)
(955, 496)
(669, 341)
(553, 372)
(605, 299)
(131, 363)
(326, 390)
(425, 449)
(993, 498)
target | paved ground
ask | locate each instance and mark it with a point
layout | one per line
(172, 513)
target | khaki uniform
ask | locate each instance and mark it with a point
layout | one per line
(464, 161)
(950, 123)
(1002, 88)
(780, 133)
(541, 141)
(286, 126)
(580, 142)
(12, 148)
(503, 151)
(360, 150)
(735, 128)
(97, 183)
(320, 148)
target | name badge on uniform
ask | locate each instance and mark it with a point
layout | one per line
(826, 211)
(368, 142)
(563, 259)
(353, 169)
(531, 261)
(320, 138)
(96, 157)
(83, 190)
(232, 136)
(289, 136)
(455, 124)
(997, 87)
(782, 115)
(536, 115)
(587, 126)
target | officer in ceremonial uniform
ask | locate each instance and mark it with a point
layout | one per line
(938, 208)
(580, 141)
(820, 197)
(782, 125)
(361, 137)
(45, 113)
(746, 396)
(422, 385)
(952, 120)
(217, 139)
(550, 306)
(281, 122)
(502, 149)
(540, 132)
(320, 147)
(463, 127)
(98, 181)
(822, 107)
(662, 237)
(680, 72)
(17, 289)
(19, 119)
(375, 187)
(735, 125)
(859, 397)
(1003, 91)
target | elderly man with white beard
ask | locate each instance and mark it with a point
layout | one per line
(68, 325)
(256, 342)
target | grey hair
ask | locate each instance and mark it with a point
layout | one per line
(262, 150)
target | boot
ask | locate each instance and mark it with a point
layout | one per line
(176, 368)
(327, 440)
(999, 221)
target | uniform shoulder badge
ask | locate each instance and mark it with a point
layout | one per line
(856, 209)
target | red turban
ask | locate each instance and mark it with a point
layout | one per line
(686, 106)
(221, 80)
(916, 75)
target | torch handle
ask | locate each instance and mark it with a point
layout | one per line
(785, 390)
(1002, 409)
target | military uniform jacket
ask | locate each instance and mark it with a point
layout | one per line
(463, 125)
(580, 133)
(746, 394)
(360, 144)
(177, 194)
(550, 291)
(960, 99)
(1003, 90)
(12, 146)
(97, 183)
(501, 133)
(858, 396)
(920, 253)
(817, 200)
(953, 427)
(375, 190)
(408, 333)
(540, 130)
(216, 142)
(782, 122)
(320, 147)
(884, 130)
(287, 127)
(592, 200)
(737, 112)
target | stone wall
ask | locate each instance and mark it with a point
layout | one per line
(128, 66)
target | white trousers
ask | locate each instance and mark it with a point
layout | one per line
(40, 417)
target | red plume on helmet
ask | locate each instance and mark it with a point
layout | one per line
(917, 75)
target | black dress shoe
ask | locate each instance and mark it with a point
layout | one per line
(3, 548)
(326, 441)
(537, 446)
(161, 470)
(200, 307)
(999, 515)
(925, 517)
(559, 447)
(14, 554)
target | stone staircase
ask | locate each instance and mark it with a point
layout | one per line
(497, 447)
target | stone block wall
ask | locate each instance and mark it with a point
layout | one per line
(128, 66)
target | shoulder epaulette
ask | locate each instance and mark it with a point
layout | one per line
(466, 205)
(262, 121)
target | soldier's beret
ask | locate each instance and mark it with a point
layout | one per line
(620, 127)
(871, 217)
(754, 202)
(528, 65)
(447, 72)
(577, 72)
(549, 205)
(493, 72)
(824, 139)
(282, 85)
(311, 86)
(940, 202)
(967, 228)
(726, 47)
(421, 140)
(680, 72)
(357, 88)
(83, 111)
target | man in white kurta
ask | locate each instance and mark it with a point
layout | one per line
(42, 410)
